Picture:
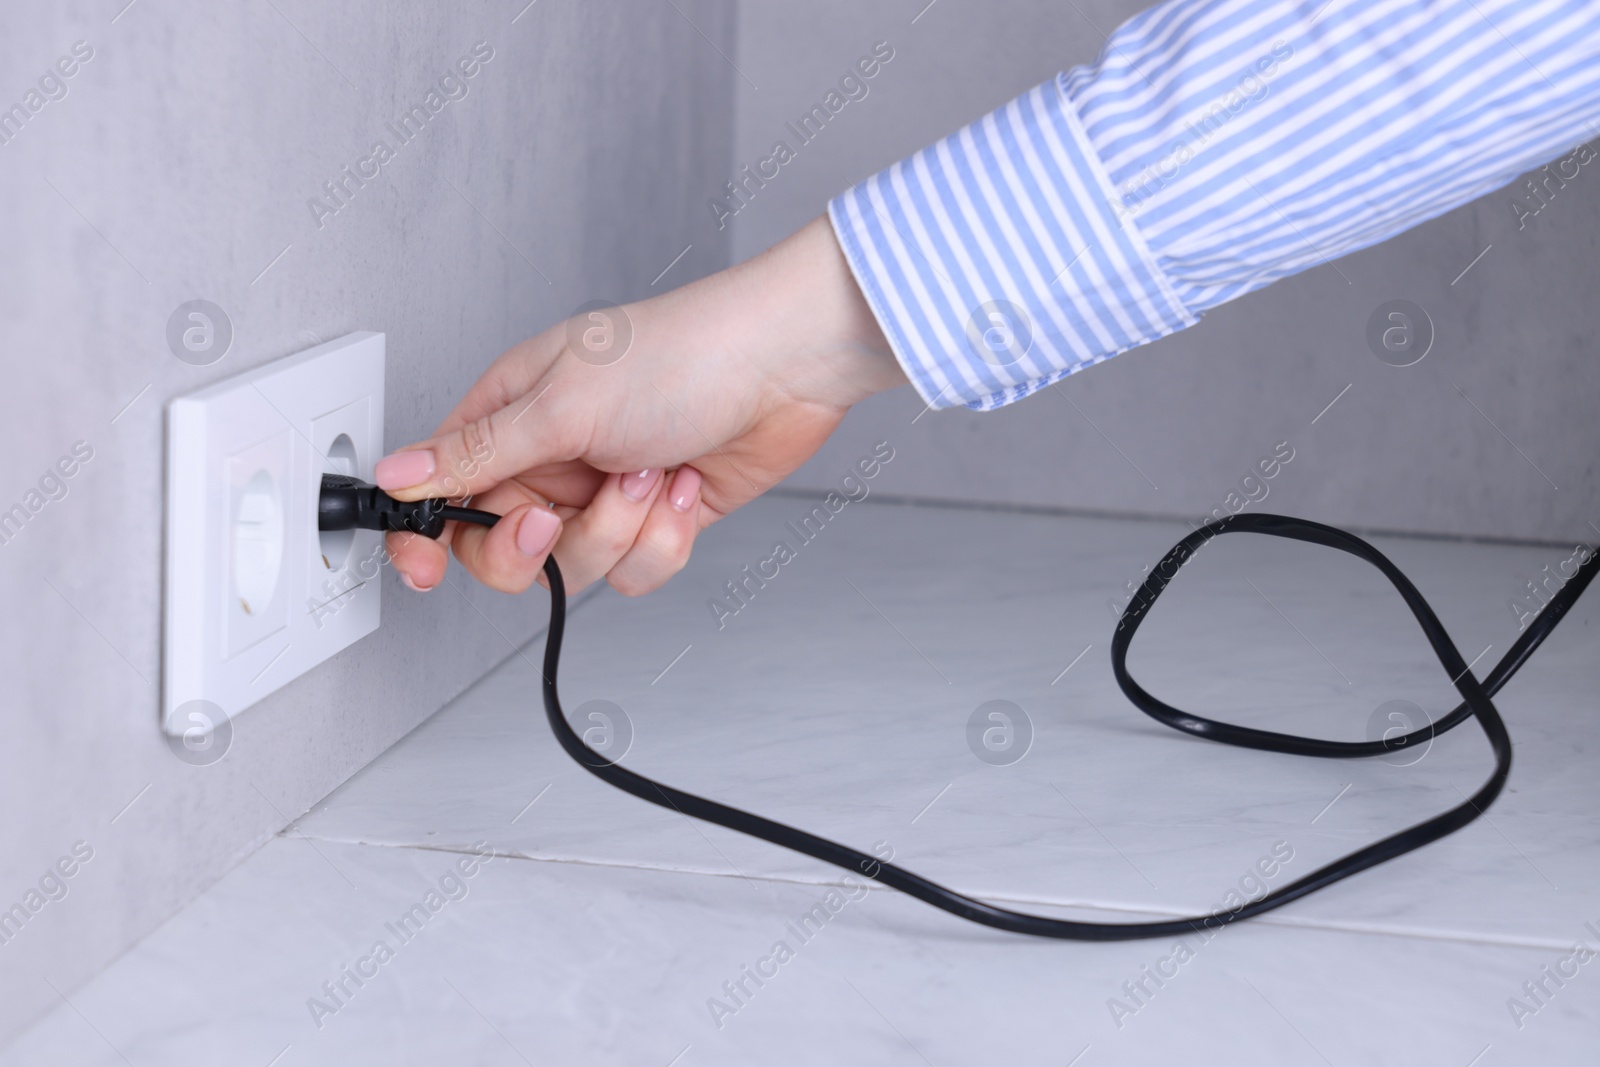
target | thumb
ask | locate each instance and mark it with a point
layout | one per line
(479, 454)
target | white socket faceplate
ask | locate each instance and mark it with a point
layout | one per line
(255, 596)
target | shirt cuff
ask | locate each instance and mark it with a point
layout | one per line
(999, 260)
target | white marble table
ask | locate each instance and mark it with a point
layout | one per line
(838, 699)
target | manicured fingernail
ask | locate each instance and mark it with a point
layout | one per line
(404, 469)
(637, 486)
(537, 530)
(685, 487)
(404, 577)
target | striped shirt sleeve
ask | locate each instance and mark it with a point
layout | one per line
(1214, 147)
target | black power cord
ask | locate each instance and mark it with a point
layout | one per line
(370, 508)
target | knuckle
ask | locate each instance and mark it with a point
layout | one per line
(499, 575)
(627, 584)
(514, 583)
(477, 449)
(609, 541)
(670, 544)
(499, 395)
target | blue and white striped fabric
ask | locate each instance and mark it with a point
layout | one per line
(1214, 147)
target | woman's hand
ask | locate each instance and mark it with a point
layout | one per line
(729, 384)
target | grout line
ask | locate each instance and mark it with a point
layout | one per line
(1486, 940)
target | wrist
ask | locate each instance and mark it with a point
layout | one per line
(822, 333)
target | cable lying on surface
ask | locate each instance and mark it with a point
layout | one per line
(1475, 703)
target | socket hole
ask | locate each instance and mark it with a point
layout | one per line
(257, 544)
(335, 545)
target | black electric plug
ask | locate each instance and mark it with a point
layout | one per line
(348, 503)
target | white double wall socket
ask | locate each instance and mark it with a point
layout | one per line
(256, 595)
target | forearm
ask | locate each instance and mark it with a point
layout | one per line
(1216, 146)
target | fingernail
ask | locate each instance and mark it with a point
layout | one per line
(637, 486)
(404, 469)
(537, 530)
(404, 577)
(685, 487)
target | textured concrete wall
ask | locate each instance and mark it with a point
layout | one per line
(1491, 434)
(176, 163)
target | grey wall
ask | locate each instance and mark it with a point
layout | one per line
(178, 165)
(1170, 428)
